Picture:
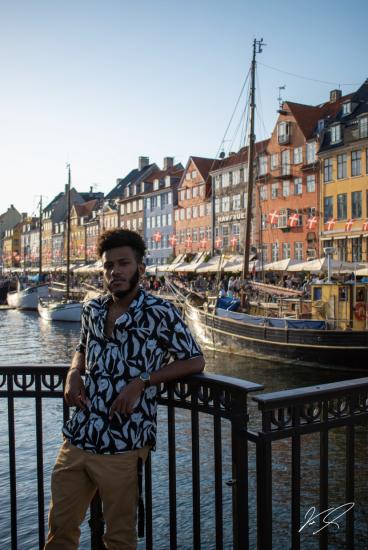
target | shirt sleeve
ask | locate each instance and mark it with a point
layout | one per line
(81, 347)
(176, 336)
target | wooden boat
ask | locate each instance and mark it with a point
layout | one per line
(336, 334)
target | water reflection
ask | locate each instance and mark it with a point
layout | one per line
(27, 339)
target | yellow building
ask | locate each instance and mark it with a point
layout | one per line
(344, 178)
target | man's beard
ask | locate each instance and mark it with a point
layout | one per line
(134, 280)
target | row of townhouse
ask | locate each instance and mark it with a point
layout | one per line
(311, 191)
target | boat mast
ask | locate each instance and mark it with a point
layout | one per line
(257, 48)
(68, 236)
(40, 244)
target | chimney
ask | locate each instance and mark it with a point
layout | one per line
(142, 162)
(91, 190)
(168, 162)
(335, 95)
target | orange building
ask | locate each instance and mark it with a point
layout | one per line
(288, 182)
(193, 215)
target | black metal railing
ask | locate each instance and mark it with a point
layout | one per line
(264, 462)
(291, 415)
(219, 397)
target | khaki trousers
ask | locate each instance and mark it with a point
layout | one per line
(76, 476)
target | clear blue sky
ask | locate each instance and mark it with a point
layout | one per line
(98, 83)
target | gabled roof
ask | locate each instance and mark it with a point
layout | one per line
(241, 156)
(175, 171)
(86, 208)
(133, 176)
(204, 165)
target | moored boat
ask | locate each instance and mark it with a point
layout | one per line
(59, 310)
(335, 335)
(27, 298)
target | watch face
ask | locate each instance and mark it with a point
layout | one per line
(144, 376)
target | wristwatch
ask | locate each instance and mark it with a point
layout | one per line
(146, 378)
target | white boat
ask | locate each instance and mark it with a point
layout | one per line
(57, 310)
(64, 309)
(27, 298)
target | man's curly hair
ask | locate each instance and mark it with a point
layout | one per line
(113, 238)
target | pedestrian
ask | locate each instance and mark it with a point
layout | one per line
(127, 339)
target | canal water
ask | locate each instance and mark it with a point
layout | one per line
(26, 339)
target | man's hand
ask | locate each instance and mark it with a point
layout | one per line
(75, 393)
(127, 398)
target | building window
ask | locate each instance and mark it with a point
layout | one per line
(148, 221)
(298, 187)
(188, 213)
(335, 133)
(195, 191)
(346, 108)
(182, 214)
(225, 204)
(298, 155)
(264, 221)
(285, 188)
(328, 209)
(263, 192)
(342, 210)
(274, 190)
(283, 132)
(363, 127)
(236, 202)
(285, 162)
(298, 251)
(194, 174)
(311, 152)
(225, 235)
(230, 178)
(283, 218)
(275, 251)
(327, 170)
(274, 161)
(342, 161)
(195, 211)
(262, 165)
(188, 193)
(311, 184)
(201, 209)
(356, 249)
(356, 168)
(285, 250)
(356, 204)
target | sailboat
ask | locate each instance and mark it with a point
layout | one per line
(335, 333)
(64, 309)
(27, 297)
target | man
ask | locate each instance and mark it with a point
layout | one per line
(127, 339)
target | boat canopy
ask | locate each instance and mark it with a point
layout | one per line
(276, 322)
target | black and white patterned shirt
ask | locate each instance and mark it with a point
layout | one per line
(144, 339)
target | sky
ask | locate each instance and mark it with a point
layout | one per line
(97, 84)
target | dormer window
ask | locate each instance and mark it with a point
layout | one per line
(156, 184)
(321, 125)
(346, 108)
(335, 133)
(167, 181)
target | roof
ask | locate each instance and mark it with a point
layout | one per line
(175, 171)
(86, 208)
(240, 157)
(133, 176)
(204, 165)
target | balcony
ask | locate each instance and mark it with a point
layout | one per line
(242, 488)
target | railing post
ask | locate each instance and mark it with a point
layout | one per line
(264, 491)
(240, 472)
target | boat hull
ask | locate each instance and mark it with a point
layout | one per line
(27, 298)
(332, 348)
(69, 312)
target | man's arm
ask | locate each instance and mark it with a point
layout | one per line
(128, 397)
(74, 392)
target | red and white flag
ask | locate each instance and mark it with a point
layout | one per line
(234, 242)
(330, 224)
(273, 217)
(349, 225)
(218, 242)
(204, 243)
(293, 220)
(172, 240)
(188, 242)
(157, 237)
(365, 225)
(312, 222)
